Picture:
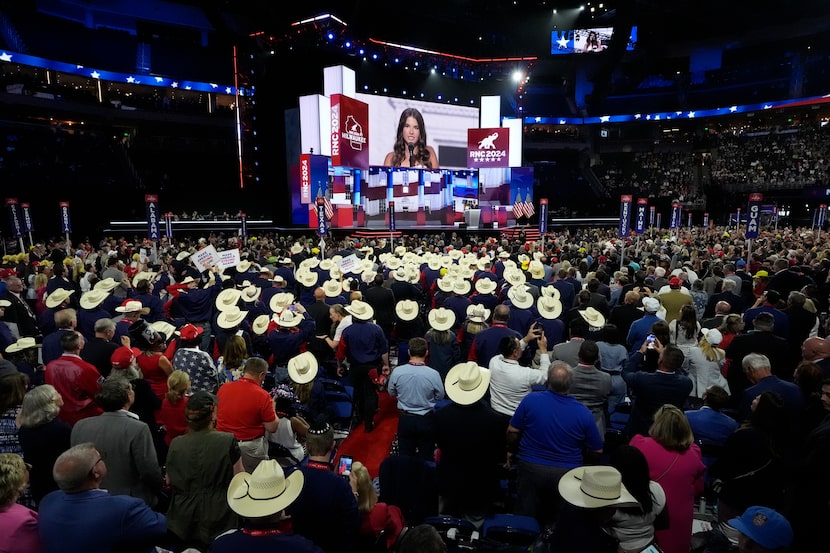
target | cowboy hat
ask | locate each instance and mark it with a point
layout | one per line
(514, 276)
(445, 283)
(595, 486)
(288, 318)
(434, 262)
(302, 368)
(163, 327)
(260, 324)
(188, 280)
(231, 317)
(461, 287)
(264, 492)
(478, 313)
(21, 344)
(594, 318)
(250, 294)
(57, 297)
(441, 318)
(407, 310)
(227, 298)
(143, 275)
(537, 270)
(327, 264)
(181, 256)
(368, 277)
(278, 302)
(296, 248)
(549, 307)
(485, 286)
(308, 263)
(360, 310)
(550, 291)
(93, 298)
(131, 306)
(467, 383)
(520, 297)
(332, 288)
(307, 278)
(393, 262)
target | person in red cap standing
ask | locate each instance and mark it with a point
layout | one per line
(675, 298)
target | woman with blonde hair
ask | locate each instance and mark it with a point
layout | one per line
(17, 522)
(375, 517)
(674, 462)
(171, 416)
(705, 364)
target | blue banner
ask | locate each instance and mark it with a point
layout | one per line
(659, 219)
(640, 222)
(152, 202)
(243, 218)
(322, 223)
(543, 215)
(822, 210)
(651, 211)
(66, 222)
(168, 225)
(391, 210)
(14, 217)
(674, 222)
(706, 219)
(27, 217)
(753, 215)
(625, 215)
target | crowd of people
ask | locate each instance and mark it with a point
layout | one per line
(158, 398)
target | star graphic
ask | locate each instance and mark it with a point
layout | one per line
(767, 106)
(79, 67)
(95, 75)
(637, 116)
(227, 90)
(691, 115)
(175, 84)
(604, 118)
(188, 87)
(562, 121)
(657, 117)
(5, 56)
(563, 43)
(159, 79)
(214, 85)
(733, 109)
(131, 79)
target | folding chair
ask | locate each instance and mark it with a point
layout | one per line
(510, 529)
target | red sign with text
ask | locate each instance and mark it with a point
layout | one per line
(349, 132)
(488, 147)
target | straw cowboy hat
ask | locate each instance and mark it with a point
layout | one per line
(537, 270)
(467, 383)
(93, 298)
(288, 318)
(594, 318)
(368, 277)
(407, 310)
(181, 256)
(131, 306)
(520, 297)
(514, 276)
(21, 344)
(302, 368)
(445, 283)
(550, 291)
(596, 486)
(307, 278)
(280, 301)
(309, 263)
(360, 310)
(188, 280)
(260, 324)
(461, 286)
(441, 319)
(332, 288)
(393, 263)
(549, 307)
(296, 248)
(478, 313)
(243, 266)
(143, 275)
(327, 264)
(485, 286)
(250, 294)
(264, 492)
(434, 262)
(164, 328)
(227, 298)
(231, 317)
(57, 297)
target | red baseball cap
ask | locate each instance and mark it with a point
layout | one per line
(190, 332)
(674, 281)
(123, 357)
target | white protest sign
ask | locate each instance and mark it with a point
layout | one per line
(206, 257)
(349, 263)
(228, 258)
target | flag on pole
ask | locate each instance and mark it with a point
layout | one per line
(528, 206)
(517, 207)
(329, 209)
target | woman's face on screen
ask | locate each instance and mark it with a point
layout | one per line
(411, 130)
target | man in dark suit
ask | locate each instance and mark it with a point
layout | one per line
(626, 313)
(727, 294)
(382, 300)
(761, 340)
(567, 293)
(784, 280)
(19, 315)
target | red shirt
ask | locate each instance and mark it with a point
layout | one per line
(243, 409)
(77, 382)
(172, 416)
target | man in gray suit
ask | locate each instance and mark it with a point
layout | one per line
(124, 441)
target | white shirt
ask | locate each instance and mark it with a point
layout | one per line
(511, 382)
(338, 332)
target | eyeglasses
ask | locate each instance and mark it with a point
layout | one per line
(101, 457)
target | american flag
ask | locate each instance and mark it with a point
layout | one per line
(517, 207)
(527, 207)
(329, 208)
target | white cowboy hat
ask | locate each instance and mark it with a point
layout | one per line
(401, 273)
(327, 264)
(296, 248)
(93, 298)
(227, 299)
(595, 486)
(130, 306)
(164, 328)
(260, 324)
(393, 263)
(434, 262)
(368, 277)
(307, 278)
(188, 280)
(467, 383)
(550, 291)
(594, 318)
(309, 263)
(57, 297)
(549, 307)
(243, 266)
(332, 288)
(231, 317)
(21, 344)
(400, 250)
(537, 270)
(407, 310)
(444, 283)
(360, 310)
(485, 286)
(441, 318)
(288, 318)
(461, 286)
(504, 254)
(478, 313)
(455, 254)
(264, 492)
(143, 275)
(514, 276)
(181, 256)
(302, 368)
(250, 294)
(278, 302)
(520, 297)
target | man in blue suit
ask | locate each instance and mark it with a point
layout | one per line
(81, 517)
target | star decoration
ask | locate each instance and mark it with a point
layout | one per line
(131, 79)
(604, 118)
(175, 84)
(562, 121)
(227, 90)
(637, 116)
(563, 43)
(733, 109)
(159, 79)
(95, 75)
(214, 85)
(79, 67)
(691, 115)
(767, 106)
(5, 56)
(188, 87)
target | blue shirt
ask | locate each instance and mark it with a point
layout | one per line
(417, 387)
(364, 343)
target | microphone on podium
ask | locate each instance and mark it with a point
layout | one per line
(411, 146)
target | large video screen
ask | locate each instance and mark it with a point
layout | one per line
(590, 40)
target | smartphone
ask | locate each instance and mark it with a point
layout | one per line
(650, 341)
(345, 466)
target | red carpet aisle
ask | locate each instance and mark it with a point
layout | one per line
(370, 449)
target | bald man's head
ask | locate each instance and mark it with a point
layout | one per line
(722, 308)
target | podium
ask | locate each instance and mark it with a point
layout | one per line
(472, 218)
